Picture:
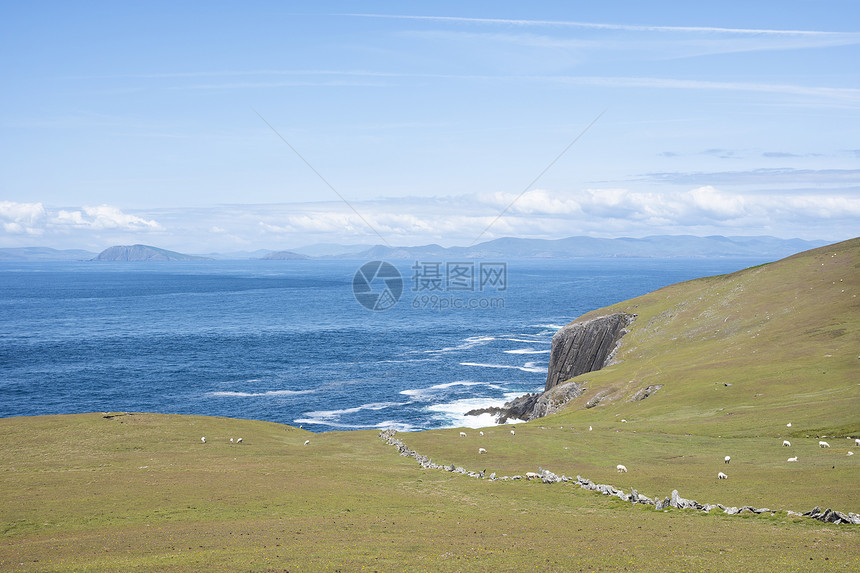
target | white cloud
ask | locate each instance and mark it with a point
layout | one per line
(104, 217)
(22, 218)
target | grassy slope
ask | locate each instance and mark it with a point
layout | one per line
(141, 492)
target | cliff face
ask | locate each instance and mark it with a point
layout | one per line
(579, 347)
(585, 346)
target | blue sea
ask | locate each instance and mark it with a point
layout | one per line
(290, 342)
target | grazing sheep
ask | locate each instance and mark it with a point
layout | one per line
(823, 445)
(721, 475)
(231, 440)
(203, 439)
(788, 425)
(623, 420)
(786, 443)
(589, 428)
(857, 441)
(462, 434)
(728, 459)
(482, 433)
(850, 454)
(794, 459)
(513, 433)
(307, 442)
(482, 451)
(239, 441)
(621, 469)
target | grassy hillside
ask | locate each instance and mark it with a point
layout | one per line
(141, 492)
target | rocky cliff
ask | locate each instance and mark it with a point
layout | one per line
(579, 347)
(585, 346)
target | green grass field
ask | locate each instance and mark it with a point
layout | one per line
(140, 492)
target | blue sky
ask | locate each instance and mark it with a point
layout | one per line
(214, 126)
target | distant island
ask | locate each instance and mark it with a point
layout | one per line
(285, 256)
(144, 253)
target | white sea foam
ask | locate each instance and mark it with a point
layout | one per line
(527, 351)
(527, 367)
(553, 326)
(332, 417)
(418, 393)
(258, 394)
(453, 414)
(467, 343)
(399, 426)
(529, 341)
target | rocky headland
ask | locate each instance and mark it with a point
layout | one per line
(579, 347)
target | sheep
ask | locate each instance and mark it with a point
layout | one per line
(239, 440)
(462, 434)
(794, 459)
(482, 433)
(307, 442)
(850, 454)
(786, 444)
(623, 420)
(721, 475)
(589, 428)
(513, 433)
(482, 451)
(231, 440)
(857, 441)
(203, 439)
(621, 468)
(728, 459)
(823, 445)
(788, 425)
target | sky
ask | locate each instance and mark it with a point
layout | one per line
(224, 126)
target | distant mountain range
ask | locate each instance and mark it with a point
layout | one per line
(658, 246)
(44, 254)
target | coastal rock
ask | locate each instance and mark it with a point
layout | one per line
(531, 406)
(585, 346)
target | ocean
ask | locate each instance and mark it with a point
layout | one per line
(296, 342)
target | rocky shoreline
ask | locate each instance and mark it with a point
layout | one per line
(577, 348)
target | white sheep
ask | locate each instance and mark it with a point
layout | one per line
(623, 420)
(728, 459)
(513, 433)
(721, 475)
(788, 425)
(482, 433)
(203, 439)
(794, 459)
(482, 451)
(589, 428)
(231, 440)
(307, 442)
(857, 441)
(850, 454)
(621, 468)
(239, 441)
(786, 443)
(823, 445)
(462, 434)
